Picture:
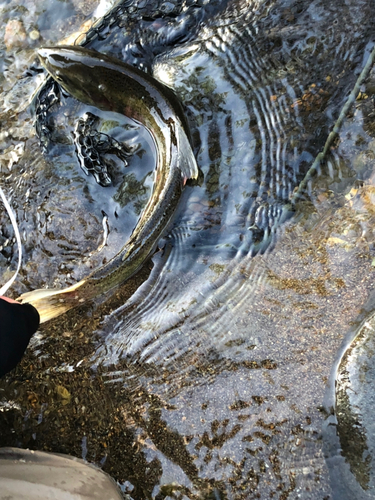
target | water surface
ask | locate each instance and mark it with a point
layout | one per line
(204, 376)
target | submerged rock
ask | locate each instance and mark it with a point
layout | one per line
(15, 34)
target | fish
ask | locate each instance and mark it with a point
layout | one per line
(99, 80)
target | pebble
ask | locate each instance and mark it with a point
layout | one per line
(87, 7)
(196, 207)
(34, 35)
(15, 34)
(76, 37)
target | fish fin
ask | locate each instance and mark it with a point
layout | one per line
(187, 162)
(52, 303)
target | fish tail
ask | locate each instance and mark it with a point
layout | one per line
(52, 303)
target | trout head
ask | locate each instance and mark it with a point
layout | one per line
(76, 72)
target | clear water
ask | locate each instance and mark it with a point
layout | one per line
(205, 375)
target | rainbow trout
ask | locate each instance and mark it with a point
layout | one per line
(99, 80)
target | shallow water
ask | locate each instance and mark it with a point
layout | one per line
(205, 375)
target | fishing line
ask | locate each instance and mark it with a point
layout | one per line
(12, 217)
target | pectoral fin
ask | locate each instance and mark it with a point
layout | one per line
(187, 162)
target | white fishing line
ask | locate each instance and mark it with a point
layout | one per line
(12, 217)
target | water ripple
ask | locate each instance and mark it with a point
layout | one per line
(211, 374)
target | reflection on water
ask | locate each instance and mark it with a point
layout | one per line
(204, 375)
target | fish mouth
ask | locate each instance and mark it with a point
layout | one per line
(52, 60)
(45, 55)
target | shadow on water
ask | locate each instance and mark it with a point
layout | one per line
(204, 375)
